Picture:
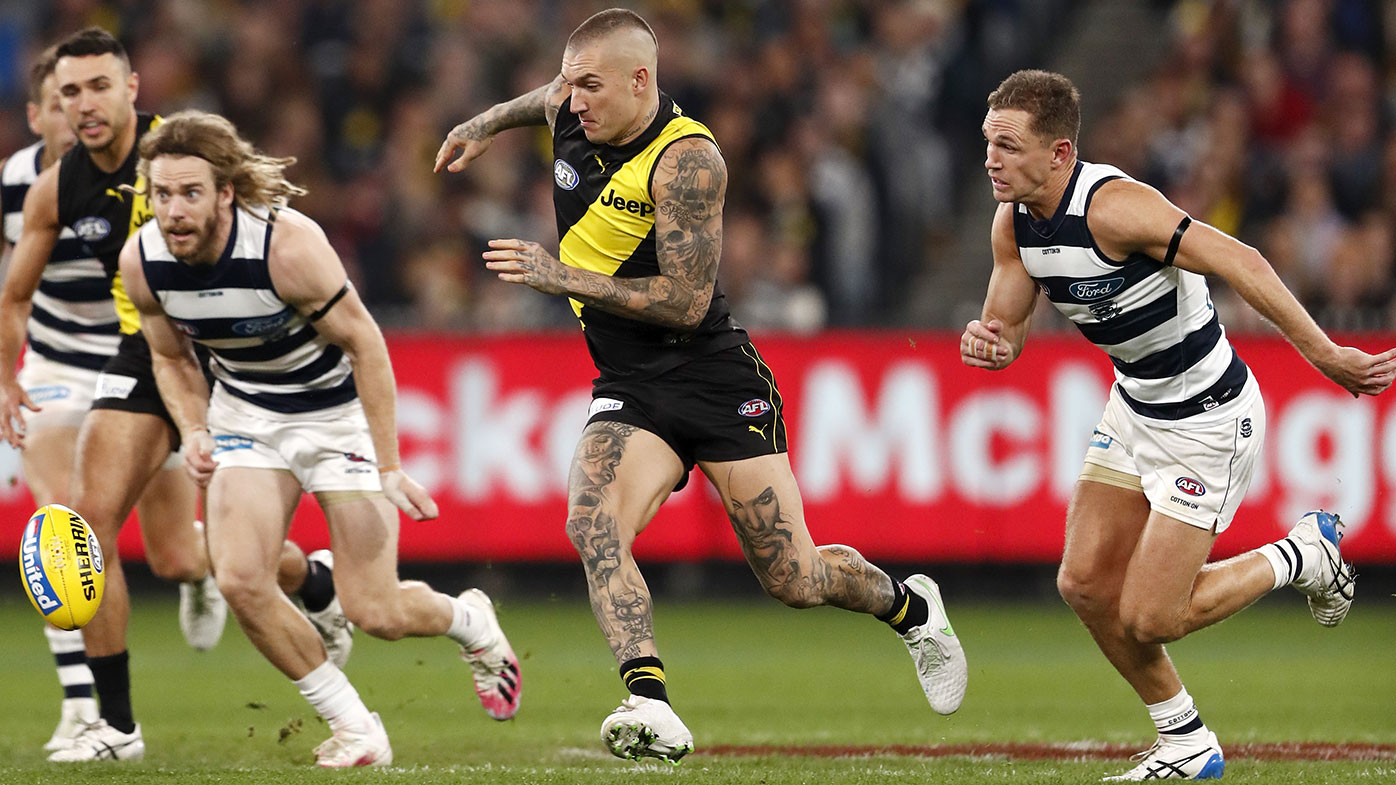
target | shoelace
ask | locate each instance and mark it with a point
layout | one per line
(1141, 756)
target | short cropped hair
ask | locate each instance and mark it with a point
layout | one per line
(1050, 99)
(92, 41)
(603, 23)
(39, 71)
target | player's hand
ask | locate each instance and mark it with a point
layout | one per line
(525, 262)
(1360, 373)
(408, 496)
(468, 140)
(198, 455)
(982, 345)
(12, 398)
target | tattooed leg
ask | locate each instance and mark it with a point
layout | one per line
(791, 569)
(597, 527)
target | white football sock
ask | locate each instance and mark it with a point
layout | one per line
(71, 661)
(1176, 714)
(334, 698)
(468, 627)
(1285, 559)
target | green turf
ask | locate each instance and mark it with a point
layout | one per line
(749, 673)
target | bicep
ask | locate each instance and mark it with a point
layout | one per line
(1012, 292)
(347, 324)
(690, 185)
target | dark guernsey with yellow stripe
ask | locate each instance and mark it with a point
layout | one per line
(606, 224)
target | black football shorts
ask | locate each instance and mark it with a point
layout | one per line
(724, 406)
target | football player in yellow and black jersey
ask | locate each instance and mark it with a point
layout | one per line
(124, 441)
(639, 190)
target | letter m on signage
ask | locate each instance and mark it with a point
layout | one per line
(868, 442)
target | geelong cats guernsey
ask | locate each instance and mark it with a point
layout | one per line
(1155, 321)
(263, 350)
(605, 223)
(73, 320)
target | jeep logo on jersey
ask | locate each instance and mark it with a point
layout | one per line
(1094, 290)
(263, 325)
(1190, 486)
(753, 408)
(564, 175)
(609, 199)
(92, 228)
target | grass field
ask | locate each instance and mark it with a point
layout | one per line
(745, 676)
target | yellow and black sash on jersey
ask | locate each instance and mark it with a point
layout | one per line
(103, 215)
(605, 222)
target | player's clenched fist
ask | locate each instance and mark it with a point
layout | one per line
(981, 345)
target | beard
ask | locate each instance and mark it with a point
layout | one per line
(196, 247)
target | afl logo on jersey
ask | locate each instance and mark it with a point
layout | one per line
(92, 228)
(565, 175)
(1190, 486)
(753, 408)
(1094, 290)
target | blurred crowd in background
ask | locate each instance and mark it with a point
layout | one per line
(850, 128)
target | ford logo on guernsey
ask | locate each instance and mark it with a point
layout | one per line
(565, 176)
(753, 408)
(1094, 290)
(264, 325)
(1190, 486)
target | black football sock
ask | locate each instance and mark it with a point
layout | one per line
(318, 590)
(908, 610)
(112, 677)
(644, 676)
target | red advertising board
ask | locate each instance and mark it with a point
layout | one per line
(901, 451)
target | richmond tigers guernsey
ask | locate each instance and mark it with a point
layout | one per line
(605, 223)
(92, 203)
(72, 321)
(1156, 322)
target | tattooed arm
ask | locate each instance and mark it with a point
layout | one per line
(690, 183)
(472, 137)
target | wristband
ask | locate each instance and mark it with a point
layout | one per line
(386, 469)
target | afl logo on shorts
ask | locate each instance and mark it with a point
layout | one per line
(1190, 486)
(92, 228)
(565, 175)
(753, 408)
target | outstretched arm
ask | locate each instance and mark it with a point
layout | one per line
(472, 138)
(1129, 217)
(307, 274)
(996, 338)
(26, 267)
(177, 373)
(690, 184)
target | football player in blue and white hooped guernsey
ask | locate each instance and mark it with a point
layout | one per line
(1176, 448)
(304, 401)
(83, 331)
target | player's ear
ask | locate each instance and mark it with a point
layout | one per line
(639, 80)
(32, 111)
(1061, 152)
(133, 84)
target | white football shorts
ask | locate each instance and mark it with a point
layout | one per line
(326, 450)
(1195, 474)
(63, 391)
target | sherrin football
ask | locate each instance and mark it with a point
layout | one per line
(60, 564)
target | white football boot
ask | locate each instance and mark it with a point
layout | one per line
(77, 713)
(495, 669)
(646, 728)
(335, 629)
(202, 613)
(347, 748)
(936, 650)
(100, 741)
(1326, 579)
(1170, 760)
